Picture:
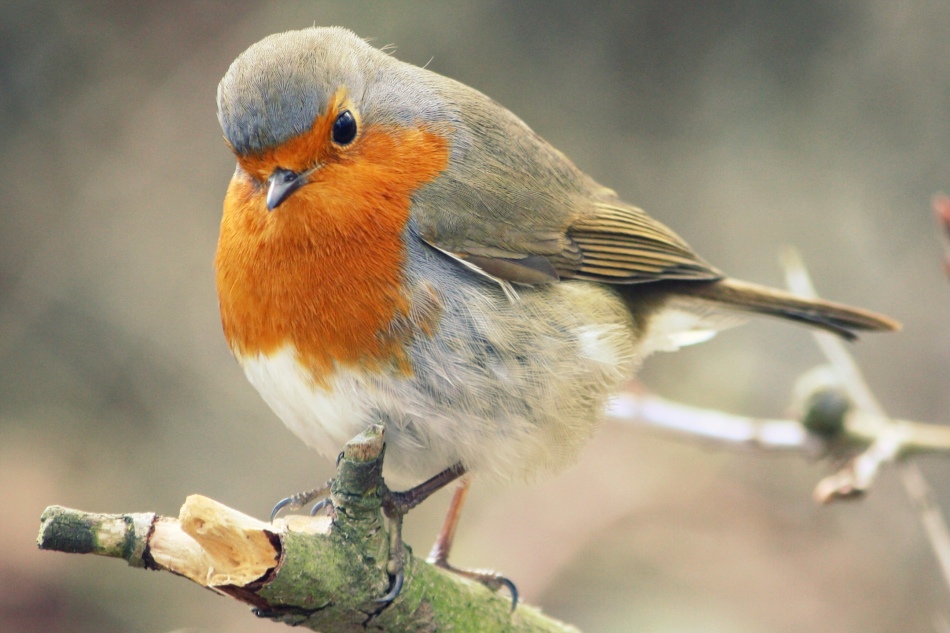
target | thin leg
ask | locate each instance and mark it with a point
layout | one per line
(439, 556)
(402, 502)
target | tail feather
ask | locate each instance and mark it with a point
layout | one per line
(843, 320)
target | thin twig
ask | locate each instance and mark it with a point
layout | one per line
(858, 428)
(643, 407)
(888, 445)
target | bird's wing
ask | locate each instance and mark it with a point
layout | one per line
(611, 243)
(513, 207)
(622, 244)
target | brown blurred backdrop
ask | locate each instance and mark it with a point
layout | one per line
(744, 125)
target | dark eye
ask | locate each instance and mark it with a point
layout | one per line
(344, 128)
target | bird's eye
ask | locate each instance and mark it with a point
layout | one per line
(344, 128)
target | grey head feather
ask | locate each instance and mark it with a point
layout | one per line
(276, 88)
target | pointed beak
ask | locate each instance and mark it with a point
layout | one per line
(282, 184)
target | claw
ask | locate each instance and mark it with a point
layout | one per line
(512, 589)
(299, 500)
(283, 503)
(490, 579)
(319, 505)
(395, 590)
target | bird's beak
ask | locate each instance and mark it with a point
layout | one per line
(281, 184)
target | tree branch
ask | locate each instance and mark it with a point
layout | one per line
(324, 573)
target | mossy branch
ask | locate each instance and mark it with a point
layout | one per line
(323, 573)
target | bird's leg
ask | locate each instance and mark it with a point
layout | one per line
(402, 502)
(439, 556)
(395, 507)
(299, 500)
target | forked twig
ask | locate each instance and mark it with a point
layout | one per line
(860, 472)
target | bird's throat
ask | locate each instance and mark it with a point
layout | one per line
(324, 273)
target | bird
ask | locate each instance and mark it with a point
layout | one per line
(397, 248)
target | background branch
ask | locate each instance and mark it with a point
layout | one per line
(858, 475)
(839, 413)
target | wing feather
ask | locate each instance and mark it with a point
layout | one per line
(622, 244)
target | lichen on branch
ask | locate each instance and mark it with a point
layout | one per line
(323, 573)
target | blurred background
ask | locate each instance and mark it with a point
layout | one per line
(746, 126)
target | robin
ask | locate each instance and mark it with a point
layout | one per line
(397, 248)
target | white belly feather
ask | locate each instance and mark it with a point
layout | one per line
(324, 418)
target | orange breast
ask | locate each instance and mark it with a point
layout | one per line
(324, 271)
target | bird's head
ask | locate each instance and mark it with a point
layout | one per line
(320, 105)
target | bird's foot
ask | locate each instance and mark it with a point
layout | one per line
(299, 500)
(439, 556)
(395, 507)
(493, 580)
